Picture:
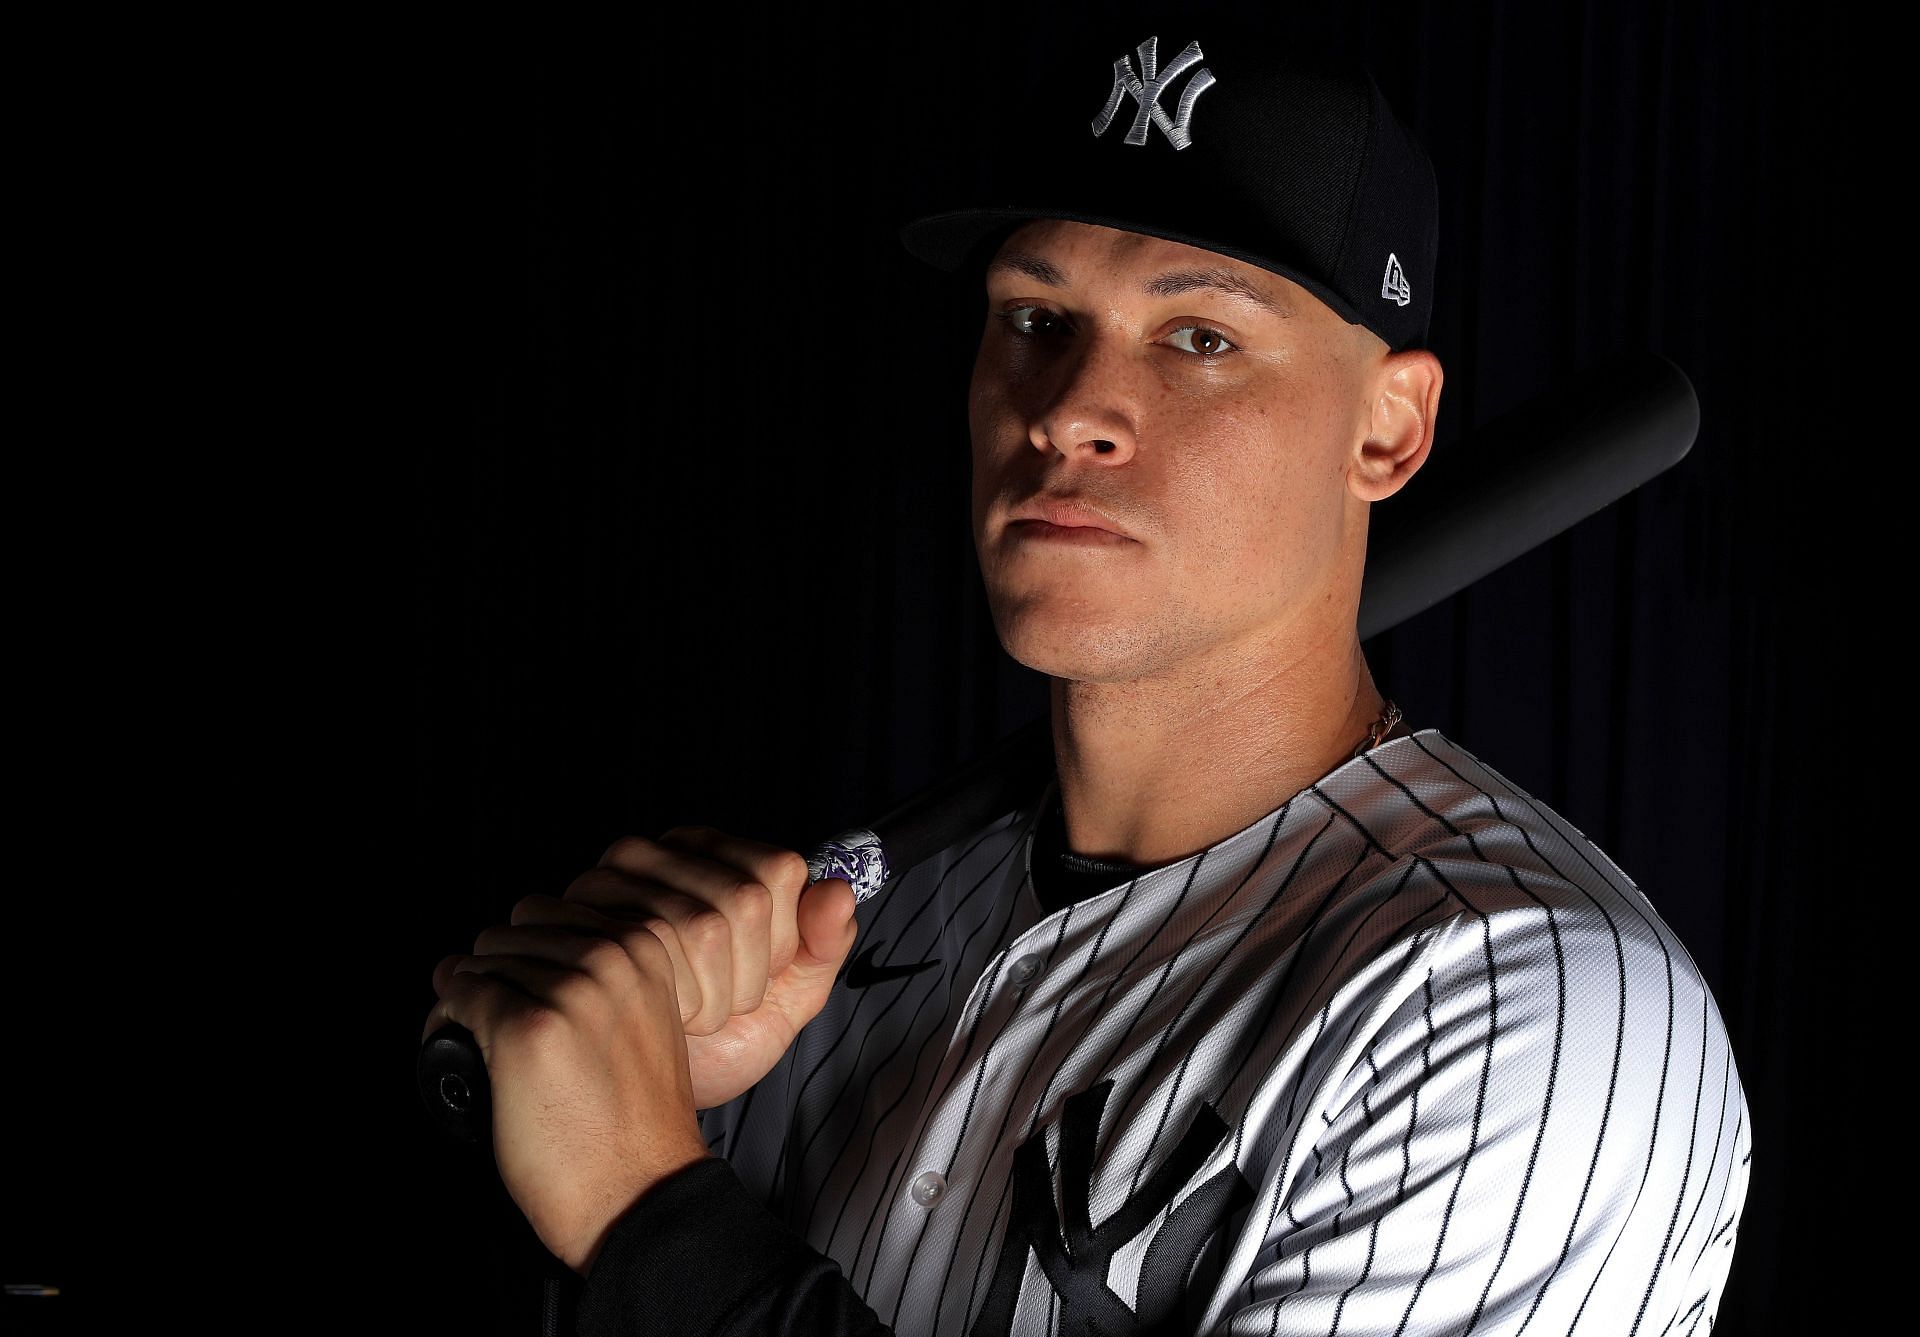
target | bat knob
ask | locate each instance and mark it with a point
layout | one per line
(452, 1077)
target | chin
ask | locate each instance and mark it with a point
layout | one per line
(1076, 644)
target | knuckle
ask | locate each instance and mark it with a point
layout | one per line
(790, 869)
(628, 848)
(750, 902)
(604, 954)
(661, 996)
(693, 831)
(645, 947)
(539, 1028)
(591, 887)
(579, 995)
(705, 929)
(528, 906)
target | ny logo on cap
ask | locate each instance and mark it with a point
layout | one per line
(1146, 95)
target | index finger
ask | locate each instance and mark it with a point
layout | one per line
(783, 872)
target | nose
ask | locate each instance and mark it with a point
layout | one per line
(1090, 416)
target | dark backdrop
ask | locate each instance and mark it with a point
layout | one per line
(684, 472)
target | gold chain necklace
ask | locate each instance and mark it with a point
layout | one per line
(1381, 728)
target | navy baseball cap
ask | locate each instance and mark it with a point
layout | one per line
(1216, 133)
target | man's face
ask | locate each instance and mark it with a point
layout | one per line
(1215, 432)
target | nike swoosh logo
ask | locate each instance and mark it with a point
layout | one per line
(863, 974)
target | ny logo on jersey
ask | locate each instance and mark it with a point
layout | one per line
(1075, 1255)
(1146, 88)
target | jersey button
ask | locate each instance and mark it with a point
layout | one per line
(1023, 970)
(928, 1186)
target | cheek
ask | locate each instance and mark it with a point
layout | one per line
(979, 420)
(1257, 502)
(987, 460)
(983, 408)
(980, 433)
(994, 425)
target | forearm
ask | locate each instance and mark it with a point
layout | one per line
(697, 1254)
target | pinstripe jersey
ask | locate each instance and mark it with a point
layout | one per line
(1409, 1054)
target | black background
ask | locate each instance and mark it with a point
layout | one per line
(658, 515)
(692, 534)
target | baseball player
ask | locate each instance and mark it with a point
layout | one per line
(1269, 1013)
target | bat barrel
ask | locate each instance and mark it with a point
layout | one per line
(1523, 479)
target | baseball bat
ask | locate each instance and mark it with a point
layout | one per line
(1508, 487)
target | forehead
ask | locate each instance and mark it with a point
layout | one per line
(1070, 235)
(1064, 253)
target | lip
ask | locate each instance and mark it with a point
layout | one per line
(1040, 530)
(1064, 513)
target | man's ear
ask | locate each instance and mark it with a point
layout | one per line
(1404, 403)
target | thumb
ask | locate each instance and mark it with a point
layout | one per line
(824, 917)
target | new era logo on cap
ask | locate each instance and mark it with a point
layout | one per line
(1146, 88)
(1394, 282)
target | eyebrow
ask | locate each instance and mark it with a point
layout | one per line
(1170, 284)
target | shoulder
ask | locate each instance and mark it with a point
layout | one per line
(1542, 950)
(1532, 948)
(1512, 881)
(1539, 1090)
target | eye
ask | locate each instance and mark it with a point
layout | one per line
(1042, 321)
(1218, 342)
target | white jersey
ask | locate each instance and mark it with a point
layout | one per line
(1407, 1055)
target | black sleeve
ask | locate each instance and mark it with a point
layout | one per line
(698, 1254)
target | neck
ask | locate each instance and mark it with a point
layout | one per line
(1157, 769)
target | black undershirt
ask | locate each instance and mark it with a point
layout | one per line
(1061, 877)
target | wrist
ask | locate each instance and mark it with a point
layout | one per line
(657, 1170)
